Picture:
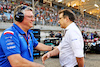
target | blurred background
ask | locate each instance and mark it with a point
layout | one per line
(47, 30)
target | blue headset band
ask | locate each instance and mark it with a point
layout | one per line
(23, 8)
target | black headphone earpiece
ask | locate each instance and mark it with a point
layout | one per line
(19, 16)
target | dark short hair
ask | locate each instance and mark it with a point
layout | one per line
(69, 13)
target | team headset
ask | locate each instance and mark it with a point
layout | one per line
(19, 16)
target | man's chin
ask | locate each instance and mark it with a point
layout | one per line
(61, 26)
(31, 26)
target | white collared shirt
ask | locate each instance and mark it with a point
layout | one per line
(71, 46)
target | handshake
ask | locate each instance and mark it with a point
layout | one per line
(54, 52)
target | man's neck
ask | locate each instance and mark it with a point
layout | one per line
(68, 23)
(24, 28)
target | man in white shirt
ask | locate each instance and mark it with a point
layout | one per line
(70, 49)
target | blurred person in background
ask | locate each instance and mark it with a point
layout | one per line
(70, 49)
(52, 34)
(96, 35)
(17, 43)
(59, 35)
(84, 34)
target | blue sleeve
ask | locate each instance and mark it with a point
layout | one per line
(10, 44)
(35, 42)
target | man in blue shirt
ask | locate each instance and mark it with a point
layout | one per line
(17, 42)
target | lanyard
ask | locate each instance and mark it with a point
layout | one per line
(28, 45)
(25, 39)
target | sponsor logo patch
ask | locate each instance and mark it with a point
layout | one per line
(74, 39)
(11, 43)
(10, 37)
(11, 47)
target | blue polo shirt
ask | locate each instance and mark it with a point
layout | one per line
(14, 41)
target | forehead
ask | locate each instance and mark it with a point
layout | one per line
(60, 15)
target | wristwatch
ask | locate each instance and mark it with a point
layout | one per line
(52, 48)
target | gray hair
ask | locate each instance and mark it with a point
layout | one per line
(22, 8)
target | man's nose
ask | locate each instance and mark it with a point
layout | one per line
(33, 19)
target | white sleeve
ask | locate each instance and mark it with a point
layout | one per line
(59, 47)
(77, 44)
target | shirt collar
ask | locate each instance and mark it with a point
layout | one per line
(20, 30)
(70, 26)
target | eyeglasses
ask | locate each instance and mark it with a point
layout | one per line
(30, 16)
